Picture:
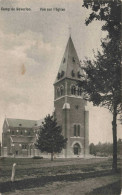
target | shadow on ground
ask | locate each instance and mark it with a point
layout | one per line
(44, 180)
(110, 189)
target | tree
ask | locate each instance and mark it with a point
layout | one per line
(119, 147)
(50, 138)
(104, 149)
(92, 149)
(0, 149)
(102, 81)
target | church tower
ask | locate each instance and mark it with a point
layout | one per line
(70, 107)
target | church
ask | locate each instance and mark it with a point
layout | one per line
(19, 136)
(70, 107)
(70, 110)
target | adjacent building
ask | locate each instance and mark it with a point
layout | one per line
(19, 136)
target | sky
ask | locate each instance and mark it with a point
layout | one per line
(32, 43)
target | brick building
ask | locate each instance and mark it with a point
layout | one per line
(70, 107)
(19, 136)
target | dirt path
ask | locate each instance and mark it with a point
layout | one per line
(70, 188)
(83, 187)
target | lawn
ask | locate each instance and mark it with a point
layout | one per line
(41, 176)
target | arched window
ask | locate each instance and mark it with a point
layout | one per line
(62, 90)
(79, 91)
(78, 74)
(58, 92)
(78, 133)
(24, 146)
(73, 59)
(58, 76)
(62, 73)
(75, 130)
(73, 73)
(12, 132)
(73, 90)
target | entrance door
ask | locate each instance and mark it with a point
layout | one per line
(76, 149)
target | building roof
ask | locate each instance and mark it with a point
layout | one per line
(23, 139)
(70, 63)
(12, 122)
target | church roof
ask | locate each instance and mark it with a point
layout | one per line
(23, 139)
(12, 122)
(70, 64)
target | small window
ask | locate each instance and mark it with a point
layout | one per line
(73, 59)
(62, 73)
(78, 130)
(74, 130)
(79, 75)
(73, 90)
(24, 146)
(58, 92)
(21, 133)
(79, 91)
(64, 60)
(62, 90)
(29, 133)
(20, 124)
(76, 107)
(72, 73)
(12, 132)
(59, 76)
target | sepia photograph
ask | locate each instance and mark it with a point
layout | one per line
(60, 97)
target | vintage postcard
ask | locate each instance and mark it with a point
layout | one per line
(60, 128)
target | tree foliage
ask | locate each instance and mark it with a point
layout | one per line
(103, 74)
(92, 149)
(119, 147)
(105, 149)
(50, 139)
(101, 149)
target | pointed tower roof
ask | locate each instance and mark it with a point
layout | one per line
(70, 64)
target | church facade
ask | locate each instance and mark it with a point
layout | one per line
(70, 107)
(19, 135)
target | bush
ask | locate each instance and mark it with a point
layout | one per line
(2, 158)
(37, 157)
(10, 154)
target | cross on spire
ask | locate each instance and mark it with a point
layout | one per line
(70, 31)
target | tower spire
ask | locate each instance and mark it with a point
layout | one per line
(69, 67)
